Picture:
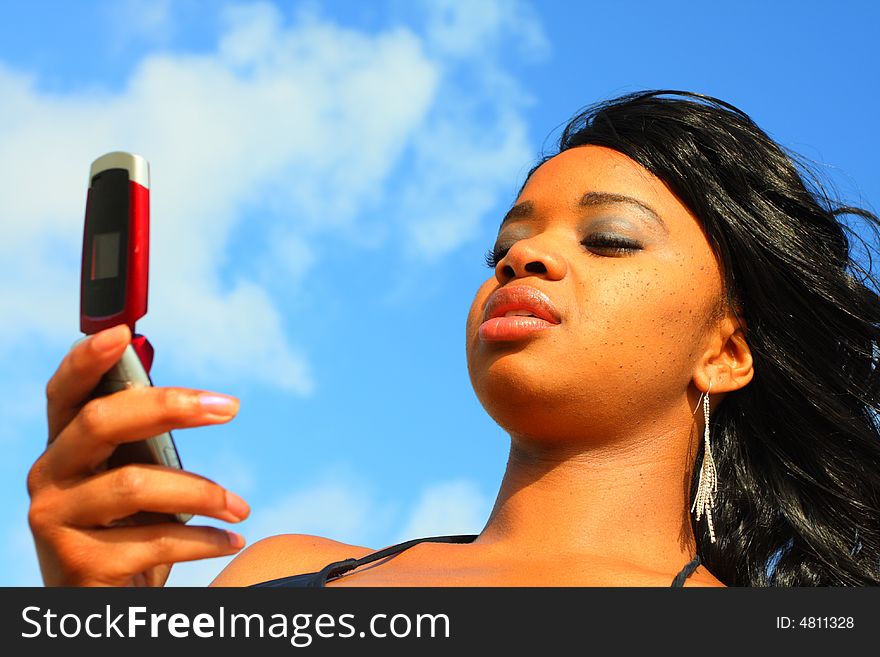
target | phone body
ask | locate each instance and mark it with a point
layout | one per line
(114, 285)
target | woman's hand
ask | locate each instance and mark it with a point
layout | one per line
(80, 512)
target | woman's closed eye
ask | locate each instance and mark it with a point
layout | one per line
(601, 245)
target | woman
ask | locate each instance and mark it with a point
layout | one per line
(677, 340)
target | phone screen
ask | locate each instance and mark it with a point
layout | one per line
(107, 220)
(105, 256)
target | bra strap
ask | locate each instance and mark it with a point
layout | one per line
(689, 568)
(339, 568)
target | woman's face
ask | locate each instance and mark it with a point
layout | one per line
(632, 323)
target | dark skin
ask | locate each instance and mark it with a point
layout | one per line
(80, 512)
(599, 409)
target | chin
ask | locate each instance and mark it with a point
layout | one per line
(521, 404)
(530, 400)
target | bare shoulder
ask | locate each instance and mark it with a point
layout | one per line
(283, 555)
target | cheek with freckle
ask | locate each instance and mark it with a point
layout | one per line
(622, 359)
(638, 342)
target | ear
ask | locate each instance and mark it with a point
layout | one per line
(727, 361)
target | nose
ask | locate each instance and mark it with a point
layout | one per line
(530, 257)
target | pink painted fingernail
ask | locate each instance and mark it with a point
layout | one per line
(237, 506)
(235, 540)
(219, 404)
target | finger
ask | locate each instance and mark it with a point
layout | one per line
(128, 416)
(80, 372)
(131, 550)
(116, 494)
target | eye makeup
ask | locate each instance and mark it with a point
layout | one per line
(602, 243)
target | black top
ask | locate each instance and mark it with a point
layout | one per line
(338, 568)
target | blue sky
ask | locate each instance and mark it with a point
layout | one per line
(326, 179)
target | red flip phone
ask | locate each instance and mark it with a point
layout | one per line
(115, 274)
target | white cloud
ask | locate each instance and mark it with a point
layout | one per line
(227, 466)
(340, 505)
(259, 119)
(446, 508)
(343, 507)
(300, 131)
(148, 20)
(297, 130)
(289, 257)
(467, 28)
(480, 164)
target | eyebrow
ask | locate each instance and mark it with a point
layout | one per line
(588, 200)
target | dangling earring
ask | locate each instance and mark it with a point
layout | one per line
(708, 486)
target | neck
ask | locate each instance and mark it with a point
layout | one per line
(625, 500)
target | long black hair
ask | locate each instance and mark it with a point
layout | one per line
(797, 450)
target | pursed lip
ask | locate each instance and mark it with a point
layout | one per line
(521, 297)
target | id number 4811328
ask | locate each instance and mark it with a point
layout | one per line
(815, 623)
